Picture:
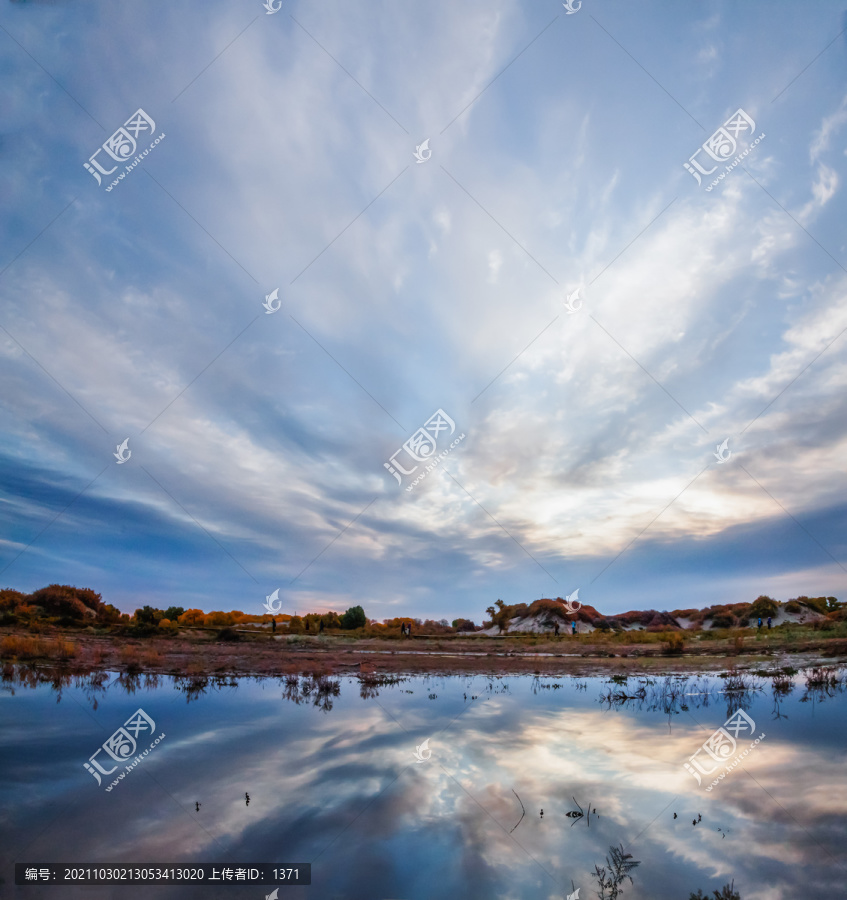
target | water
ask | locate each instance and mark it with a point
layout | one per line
(332, 776)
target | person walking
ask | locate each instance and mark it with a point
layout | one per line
(409, 629)
(769, 623)
(273, 625)
(573, 627)
(556, 628)
(760, 623)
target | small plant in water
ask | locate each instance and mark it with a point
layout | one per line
(727, 892)
(611, 876)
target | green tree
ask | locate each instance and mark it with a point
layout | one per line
(173, 613)
(354, 618)
(149, 615)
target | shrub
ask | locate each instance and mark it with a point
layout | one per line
(109, 615)
(168, 627)
(72, 603)
(11, 600)
(723, 620)
(764, 606)
(228, 634)
(818, 604)
(130, 659)
(793, 607)
(674, 643)
(24, 647)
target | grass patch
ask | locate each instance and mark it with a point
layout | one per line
(19, 646)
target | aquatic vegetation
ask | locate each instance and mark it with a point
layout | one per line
(727, 892)
(611, 876)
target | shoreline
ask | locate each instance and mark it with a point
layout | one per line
(195, 653)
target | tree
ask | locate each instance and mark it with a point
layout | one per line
(109, 614)
(354, 618)
(174, 612)
(149, 615)
(192, 617)
(331, 620)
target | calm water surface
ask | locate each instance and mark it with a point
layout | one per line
(333, 780)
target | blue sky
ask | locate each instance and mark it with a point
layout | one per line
(558, 143)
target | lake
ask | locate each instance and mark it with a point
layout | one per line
(336, 773)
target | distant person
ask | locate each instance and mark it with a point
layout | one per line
(409, 629)
(403, 628)
(573, 627)
(760, 622)
(556, 628)
(321, 626)
(769, 623)
(273, 625)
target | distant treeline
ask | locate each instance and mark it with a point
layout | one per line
(64, 605)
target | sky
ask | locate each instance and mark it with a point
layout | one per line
(359, 226)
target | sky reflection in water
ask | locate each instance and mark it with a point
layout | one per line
(332, 776)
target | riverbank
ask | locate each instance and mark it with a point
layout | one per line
(204, 652)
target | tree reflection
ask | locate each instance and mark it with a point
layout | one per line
(317, 689)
